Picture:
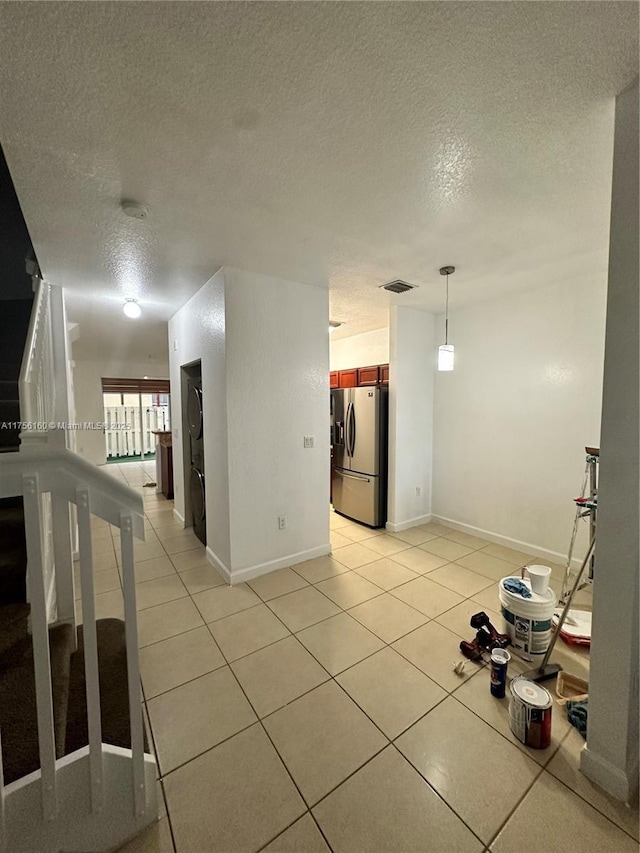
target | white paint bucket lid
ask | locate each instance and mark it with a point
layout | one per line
(539, 607)
(531, 693)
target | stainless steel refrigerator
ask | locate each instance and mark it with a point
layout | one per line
(359, 419)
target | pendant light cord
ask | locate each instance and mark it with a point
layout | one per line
(446, 315)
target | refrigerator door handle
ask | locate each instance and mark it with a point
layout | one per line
(348, 429)
(353, 476)
(353, 429)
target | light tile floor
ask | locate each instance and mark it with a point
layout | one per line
(316, 708)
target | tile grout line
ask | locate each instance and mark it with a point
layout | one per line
(333, 678)
(160, 777)
(386, 644)
(390, 741)
(573, 791)
(264, 602)
(436, 792)
(260, 720)
(526, 793)
(263, 727)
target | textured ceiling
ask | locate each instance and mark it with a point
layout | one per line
(337, 144)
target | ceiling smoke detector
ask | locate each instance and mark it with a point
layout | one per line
(398, 286)
(134, 209)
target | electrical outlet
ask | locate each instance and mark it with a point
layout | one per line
(282, 522)
(418, 491)
(308, 441)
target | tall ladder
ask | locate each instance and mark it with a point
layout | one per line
(586, 507)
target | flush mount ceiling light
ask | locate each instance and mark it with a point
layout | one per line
(131, 308)
(445, 351)
(333, 325)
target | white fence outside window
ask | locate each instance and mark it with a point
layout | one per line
(130, 424)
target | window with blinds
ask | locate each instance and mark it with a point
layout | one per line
(135, 386)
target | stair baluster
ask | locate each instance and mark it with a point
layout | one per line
(90, 649)
(41, 652)
(133, 666)
(63, 560)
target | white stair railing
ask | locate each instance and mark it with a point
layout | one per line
(43, 388)
(53, 809)
(97, 797)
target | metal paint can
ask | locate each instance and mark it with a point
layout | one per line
(499, 661)
(530, 713)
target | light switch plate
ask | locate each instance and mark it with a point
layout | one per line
(308, 441)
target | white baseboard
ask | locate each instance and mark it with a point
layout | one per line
(607, 776)
(217, 563)
(250, 572)
(507, 541)
(179, 518)
(398, 526)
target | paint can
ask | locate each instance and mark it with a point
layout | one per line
(530, 713)
(499, 661)
(527, 621)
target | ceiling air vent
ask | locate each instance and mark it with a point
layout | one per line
(398, 286)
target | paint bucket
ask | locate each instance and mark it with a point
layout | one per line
(527, 621)
(530, 713)
(499, 661)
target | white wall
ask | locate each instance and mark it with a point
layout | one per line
(360, 350)
(411, 365)
(611, 756)
(87, 391)
(265, 363)
(513, 418)
(197, 333)
(278, 392)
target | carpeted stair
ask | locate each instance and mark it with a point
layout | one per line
(13, 552)
(114, 692)
(18, 718)
(14, 323)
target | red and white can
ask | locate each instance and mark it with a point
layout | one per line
(530, 713)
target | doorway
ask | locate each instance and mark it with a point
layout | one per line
(132, 414)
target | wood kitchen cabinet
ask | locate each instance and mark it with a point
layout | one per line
(375, 374)
(368, 375)
(349, 378)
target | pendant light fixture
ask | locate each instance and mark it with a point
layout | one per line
(445, 351)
